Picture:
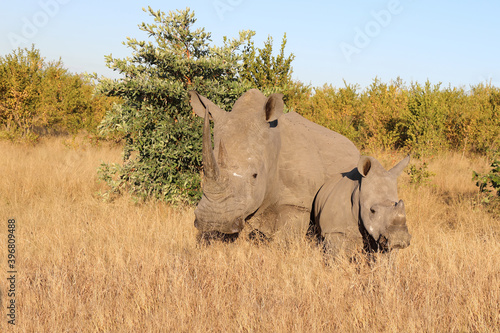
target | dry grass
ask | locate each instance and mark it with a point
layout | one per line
(88, 265)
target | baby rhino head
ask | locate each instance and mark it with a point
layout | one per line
(382, 214)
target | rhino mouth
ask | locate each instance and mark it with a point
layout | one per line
(232, 226)
(215, 215)
(226, 228)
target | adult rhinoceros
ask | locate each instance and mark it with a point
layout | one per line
(266, 166)
(360, 209)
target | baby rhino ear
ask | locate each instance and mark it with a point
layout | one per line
(364, 165)
(274, 107)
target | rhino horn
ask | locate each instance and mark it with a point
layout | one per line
(400, 214)
(222, 155)
(210, 168)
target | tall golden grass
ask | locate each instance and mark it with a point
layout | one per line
(86, 265)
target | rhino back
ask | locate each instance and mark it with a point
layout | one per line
(310, 154)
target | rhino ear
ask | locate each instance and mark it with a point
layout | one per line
(201, 103)
(364, 165)
(274, 107)
(398, 168)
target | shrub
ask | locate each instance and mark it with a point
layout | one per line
(39, 97)
(422, 119)
(422, 127)
(419, 175)
(336, 109)
(382, 108)
(489, 183)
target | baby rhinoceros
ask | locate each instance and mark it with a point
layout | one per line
(360, 209)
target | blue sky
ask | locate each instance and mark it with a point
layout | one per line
(453, 42)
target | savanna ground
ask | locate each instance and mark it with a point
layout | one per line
(87, 265)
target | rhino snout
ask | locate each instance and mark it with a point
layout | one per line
(398, 237)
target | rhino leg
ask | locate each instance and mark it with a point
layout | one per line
(337, 244)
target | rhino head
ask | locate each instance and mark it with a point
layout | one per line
(382, 214)
(241, 173)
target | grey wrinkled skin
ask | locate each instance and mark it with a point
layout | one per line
(361, 208)
(266, 166)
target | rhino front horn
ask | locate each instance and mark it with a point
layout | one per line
(210, 168)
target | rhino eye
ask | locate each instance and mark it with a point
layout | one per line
(372, 210)
(254, 176)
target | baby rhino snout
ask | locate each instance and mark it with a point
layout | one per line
(398, 237)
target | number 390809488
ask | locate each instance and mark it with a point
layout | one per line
(11, 243)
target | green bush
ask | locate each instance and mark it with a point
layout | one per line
(419, 175)
(265, 71)
(489, 183)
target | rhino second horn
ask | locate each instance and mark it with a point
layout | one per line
(222, 155)
(210, 168)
